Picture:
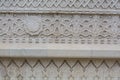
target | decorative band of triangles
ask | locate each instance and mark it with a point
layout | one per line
(60, 69)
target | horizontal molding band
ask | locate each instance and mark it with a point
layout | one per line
(22, 53)
(108, 12)
(62, 6)
(59, 51)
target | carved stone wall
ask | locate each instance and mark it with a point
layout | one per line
(44, 28)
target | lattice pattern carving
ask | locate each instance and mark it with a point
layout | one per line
(65, 5)
(59, 69)
(60, 28)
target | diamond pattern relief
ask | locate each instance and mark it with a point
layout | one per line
(59, 4)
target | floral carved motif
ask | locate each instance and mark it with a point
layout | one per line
(60, 27)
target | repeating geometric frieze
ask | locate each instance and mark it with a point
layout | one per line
(71, 5)
(60, 28)
(60, 69)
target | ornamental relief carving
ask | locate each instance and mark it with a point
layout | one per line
(60, 27)
(64, 5)
(59, 69)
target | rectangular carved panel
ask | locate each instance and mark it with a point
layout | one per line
(60, 28)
